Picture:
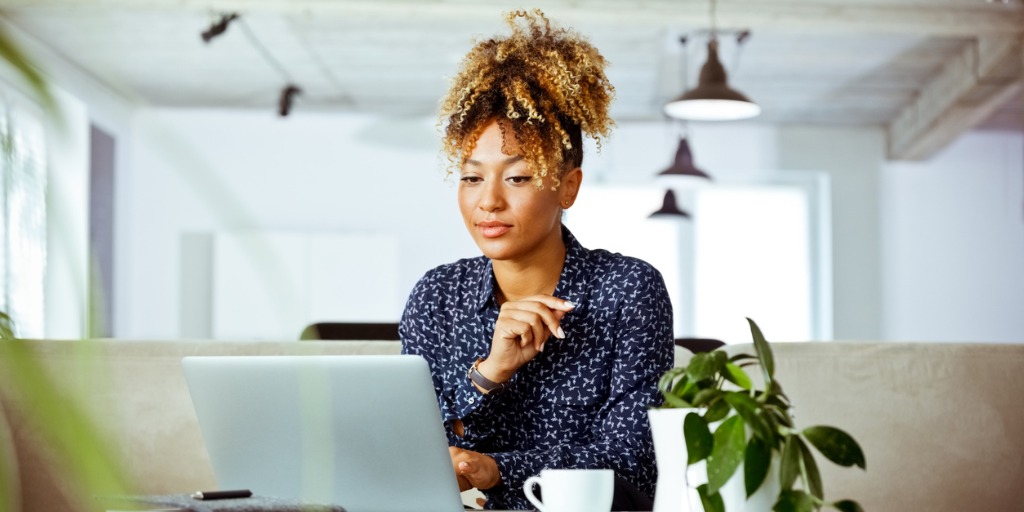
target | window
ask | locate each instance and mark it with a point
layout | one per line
(758, 249)
(22, 218)
(615, 218)
(752, 258)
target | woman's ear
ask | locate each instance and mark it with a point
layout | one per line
(570, 186)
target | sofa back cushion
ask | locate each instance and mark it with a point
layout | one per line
(135, 393)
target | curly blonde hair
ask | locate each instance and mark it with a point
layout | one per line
(545, 83)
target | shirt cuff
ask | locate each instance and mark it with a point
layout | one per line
(474, 409)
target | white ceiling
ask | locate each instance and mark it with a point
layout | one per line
(835, 62)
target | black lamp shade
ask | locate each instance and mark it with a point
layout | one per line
(712, 99)
(670, 208)
(682, 165)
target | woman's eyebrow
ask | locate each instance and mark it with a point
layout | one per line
(504, 163)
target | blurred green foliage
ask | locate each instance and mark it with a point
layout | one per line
(88, 463)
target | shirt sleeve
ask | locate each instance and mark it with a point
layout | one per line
(622, 439)
(422, 332)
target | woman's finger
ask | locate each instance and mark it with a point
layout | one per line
(551, 302)
(512, 328)
(535, 313)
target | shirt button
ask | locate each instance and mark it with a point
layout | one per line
(472, 400)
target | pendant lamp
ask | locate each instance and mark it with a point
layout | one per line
(682, 165)
(669, 208)
(712, 99)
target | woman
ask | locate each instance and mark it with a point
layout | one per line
(544, 354)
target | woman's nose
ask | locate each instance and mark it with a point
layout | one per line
(491, 198)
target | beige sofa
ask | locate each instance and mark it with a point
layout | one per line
(942, 425)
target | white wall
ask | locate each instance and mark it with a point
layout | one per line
(853, 158)
(953, 238)
(197, 172)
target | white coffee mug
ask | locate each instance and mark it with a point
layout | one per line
(572, 490)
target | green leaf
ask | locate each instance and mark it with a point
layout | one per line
(717, 411)
(88, 456)
(688, 390)
(779, 414)
(12, 53)
(836, 445)
(848, 506)
(742, 357)
(711, 502)
(737, 376)
(699, 441)
(751, 413)
(720, 358)
(794, 501)
(755, 465)
(674, 402)
(727, 453)
(706, 396)
(665, 383)
(777, 399)
(704, 366)
(790, 465)
(672, 386)
(764, 352)
(814, 484)
(6, 327)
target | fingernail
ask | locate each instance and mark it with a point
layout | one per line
(569, 304)
(542, 346)
(560, 333)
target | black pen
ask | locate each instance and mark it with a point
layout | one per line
(221, 495)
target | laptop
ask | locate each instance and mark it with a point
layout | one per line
(363, 432)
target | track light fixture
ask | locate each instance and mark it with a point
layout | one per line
(284, 104)
(218, 27)
(287, 97)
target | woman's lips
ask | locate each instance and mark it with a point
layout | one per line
(492, 229)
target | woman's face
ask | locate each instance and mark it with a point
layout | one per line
(507, 216)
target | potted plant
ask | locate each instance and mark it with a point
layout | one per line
(728, 422)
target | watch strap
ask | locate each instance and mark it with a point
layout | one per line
(488, 386)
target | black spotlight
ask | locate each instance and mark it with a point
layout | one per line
(219, 27)
(284, 105)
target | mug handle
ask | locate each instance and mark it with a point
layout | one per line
(528, 491)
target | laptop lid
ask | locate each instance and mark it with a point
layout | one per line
(363, 432)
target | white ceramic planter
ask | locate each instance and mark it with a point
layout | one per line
(673, 493)
(677, 484)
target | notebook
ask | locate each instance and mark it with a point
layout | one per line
(363, 432)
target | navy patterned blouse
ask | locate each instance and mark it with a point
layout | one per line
(582, 403)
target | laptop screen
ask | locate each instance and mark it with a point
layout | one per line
(363, 432)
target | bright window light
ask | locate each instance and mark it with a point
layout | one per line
(22, 219)
(752, 259)
(615, 218)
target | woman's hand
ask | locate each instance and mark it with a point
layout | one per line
(522, 328)
(473, 469)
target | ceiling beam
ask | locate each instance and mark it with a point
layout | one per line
(986, 74)
(815, 16)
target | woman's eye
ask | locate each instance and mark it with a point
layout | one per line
(519, 180)
(470, 179)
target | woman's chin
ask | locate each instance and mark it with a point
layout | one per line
(496, 249)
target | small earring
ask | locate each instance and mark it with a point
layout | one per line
(567, 203)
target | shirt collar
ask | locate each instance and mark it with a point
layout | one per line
(570, 286)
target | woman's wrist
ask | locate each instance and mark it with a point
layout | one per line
(494, 372)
